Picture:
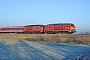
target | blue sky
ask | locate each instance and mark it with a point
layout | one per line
(25, 12)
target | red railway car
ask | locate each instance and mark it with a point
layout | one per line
(60, 28)
(13, 29)
(33, 29)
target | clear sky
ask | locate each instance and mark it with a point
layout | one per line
(25, 12)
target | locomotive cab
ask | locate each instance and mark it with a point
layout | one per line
(73, 28)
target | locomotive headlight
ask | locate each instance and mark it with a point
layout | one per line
(72, 28)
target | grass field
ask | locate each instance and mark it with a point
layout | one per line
(77, 39)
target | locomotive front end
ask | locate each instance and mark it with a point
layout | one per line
(73, 28)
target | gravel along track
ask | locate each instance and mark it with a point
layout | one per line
(34, 50)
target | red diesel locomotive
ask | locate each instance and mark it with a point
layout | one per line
(33, 29)
(67, 28)
(60, 28)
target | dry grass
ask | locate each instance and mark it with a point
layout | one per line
(78, 39)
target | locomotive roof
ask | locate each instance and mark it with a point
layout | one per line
(33, 25)
(60, 24)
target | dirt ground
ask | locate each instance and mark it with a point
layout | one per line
(35, 50)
